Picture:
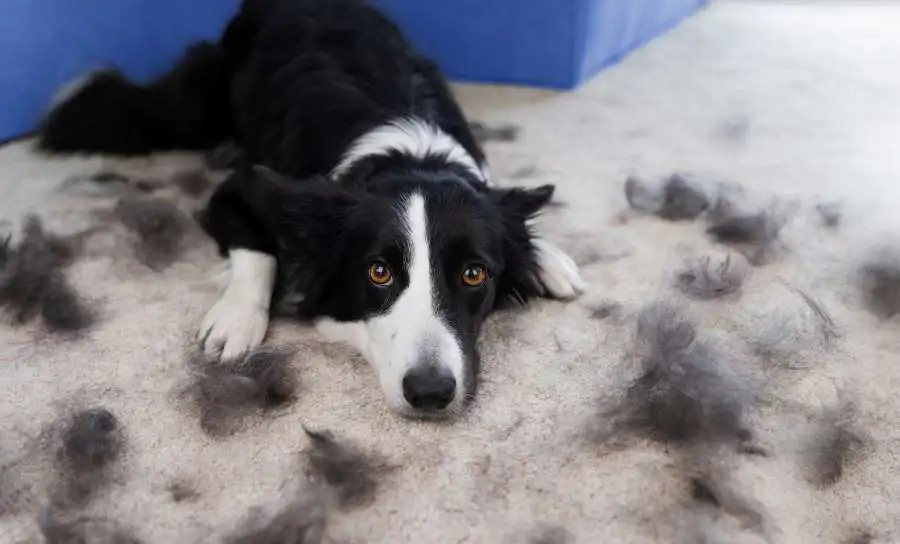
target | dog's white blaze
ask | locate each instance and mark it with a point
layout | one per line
(237, 323)
(413, 328)
(410, 136)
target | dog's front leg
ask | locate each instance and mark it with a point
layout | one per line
(557, 274)
(238, 321)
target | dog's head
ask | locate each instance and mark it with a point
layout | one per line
(405, 269)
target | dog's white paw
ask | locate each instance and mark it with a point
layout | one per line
(557, 273)
(234, 326)
(237, 323)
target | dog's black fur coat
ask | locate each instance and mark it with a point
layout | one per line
(308, 75)
(296, 85)
(293, 83)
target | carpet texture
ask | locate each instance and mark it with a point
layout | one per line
(730, 376)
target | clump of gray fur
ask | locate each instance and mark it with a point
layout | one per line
(711, 486)
(880, 278)
(342, 467)
(838, 442)
(18, 491)
(825, 323)
(687, 391)
(226, 392)
(158, 228)
(789, 336)
(680, 198)
(830, 213)
(502, 133)
(303, 521)
(33, 282)
(605, 309)
(59, 528)
(90, 444)
(758, 231)
(182, 491)
(701, 280)
(706, 489)
(859, 536)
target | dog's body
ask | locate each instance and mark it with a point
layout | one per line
(395, 240)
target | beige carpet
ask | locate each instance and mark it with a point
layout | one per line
(793, 100)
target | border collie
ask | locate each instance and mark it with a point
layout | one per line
(364, 197)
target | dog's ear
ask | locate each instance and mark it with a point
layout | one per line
(525, 203)
(305, 223)
(534, 266)
(315, 220)
(266, 190)
(270, 179)
(295, 212)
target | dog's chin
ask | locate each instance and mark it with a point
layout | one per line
(446, 416)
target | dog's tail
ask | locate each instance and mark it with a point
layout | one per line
(186, 108)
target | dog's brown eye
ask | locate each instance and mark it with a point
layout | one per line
(474, 275)
(380, 274)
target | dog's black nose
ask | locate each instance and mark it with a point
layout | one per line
(429, 388)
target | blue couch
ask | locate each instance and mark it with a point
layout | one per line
(556, 44)
(547, 43)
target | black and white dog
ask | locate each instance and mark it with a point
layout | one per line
(395, 240)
